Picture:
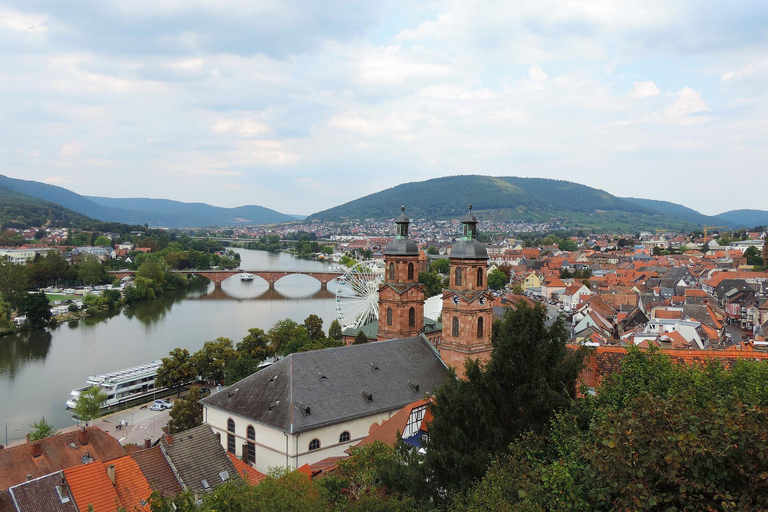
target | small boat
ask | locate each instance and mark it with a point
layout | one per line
(246, 276)
(122, 386)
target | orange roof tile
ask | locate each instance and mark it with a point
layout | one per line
(248, 472)
(131, 486)
(668, 314)
(91, 486)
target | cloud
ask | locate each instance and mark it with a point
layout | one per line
(187, 65)
(58, 180)
(643, 90)
(687, 103)
(536, 74)
(72, 148)
(247, 127)
(30, 23)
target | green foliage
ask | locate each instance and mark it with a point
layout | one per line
(433, 282)
(102, 241)
(432, 250)
(154, 270)
(360, 338)
(334, 331)
(754, 256)
(211, 360)
(567, 245)
(286, 336)
(518, 290)
(41, 430)
(530, 376)
(239, 368)
(177, 369)
(187, 412)
(18, 210)
(441, 266)
(89, 404)
(497, 279)
(256, 344)
(142, 289)
(314, 326)
(13, 283)
(37, 307)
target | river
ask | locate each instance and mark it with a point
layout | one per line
(39, 368)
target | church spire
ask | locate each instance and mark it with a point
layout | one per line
(402, 224)
(470, 225)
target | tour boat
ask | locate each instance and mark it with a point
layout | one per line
(246, 277)
(122, 386)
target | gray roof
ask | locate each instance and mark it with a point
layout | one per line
(401, 247)
(41, 494)
(309, 390)
(468, 250)
(196, 455)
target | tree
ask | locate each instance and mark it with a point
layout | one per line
(187, 412)
(91, 269)
(239, 368)
(153, 270)
(13, 283)
(432, 250)
(441, 266)
(334, 331)
(530, 376)
(518, 290)
(567, 245)
(42, 429)
(89, 404)
(177, 369)
(37, 307)
(432, 281)
(6, 322)
(256, 345)
(360, 338)
(497, 280)
(314, 326)
(753, 256)
(102, 241)
(285, 335)
(211, 360)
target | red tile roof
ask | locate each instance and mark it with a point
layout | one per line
(248, 472)
(387, 432)
(131, 486)
(91, 486)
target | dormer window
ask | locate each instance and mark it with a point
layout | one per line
(368, 397)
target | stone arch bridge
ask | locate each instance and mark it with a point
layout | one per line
(270, 276)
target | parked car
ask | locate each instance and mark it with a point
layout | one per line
(165, 404)
(156, 407)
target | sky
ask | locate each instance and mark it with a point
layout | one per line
(303, 105)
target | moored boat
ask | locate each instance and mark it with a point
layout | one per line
(121, 386)
(246, 276)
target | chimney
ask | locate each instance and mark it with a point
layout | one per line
(37, 449)
(111, 473)
(147, 442)
(168, 439)
(218, 437)
(29, 477)
(83, 436)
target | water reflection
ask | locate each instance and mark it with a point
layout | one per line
(18, 349)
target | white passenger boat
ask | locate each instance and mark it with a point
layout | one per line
(122, 386)
(245, 276)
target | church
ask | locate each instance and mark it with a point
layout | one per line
(314, 405)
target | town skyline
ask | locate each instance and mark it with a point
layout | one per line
(311, 106)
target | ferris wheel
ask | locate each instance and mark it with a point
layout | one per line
(357, 294)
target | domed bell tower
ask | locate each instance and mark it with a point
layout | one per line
(467, 303)
(401, 296)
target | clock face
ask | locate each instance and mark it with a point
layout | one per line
(482, 301)
(455, 300)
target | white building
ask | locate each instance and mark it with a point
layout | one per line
(313, 405)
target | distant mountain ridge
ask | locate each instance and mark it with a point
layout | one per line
(19, 210)
(523, 199)
(154, 212)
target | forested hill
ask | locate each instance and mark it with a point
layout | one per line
(155, 212)
(508, 198)
(21, 211)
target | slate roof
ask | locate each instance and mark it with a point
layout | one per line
(401, 247)
(41, 494)
(58, 452)
(157, 471)
(196, 455)
(468, 250)
(309, 390)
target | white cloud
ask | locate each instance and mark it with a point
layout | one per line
(687, 102)
(187, 65)
(246, 127)
(72, 148)
(536, 74)
(643, 90)
(58, 180)
(30, 23)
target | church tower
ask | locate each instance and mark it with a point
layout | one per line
(467, 303)
(401, 296)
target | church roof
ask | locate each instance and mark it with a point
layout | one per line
(468, 250)
(401, 247)
(309, 390)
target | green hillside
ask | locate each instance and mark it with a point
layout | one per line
(746, 218)
(508, 198)
(19, 210)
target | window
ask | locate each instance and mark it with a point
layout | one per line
(455, 326)
(457, 276)
(314, 445)
(480, 327)
(250, 454)
(411, 317)
(391, 271)
(344, 437)
(410, 271)
(389, 316)
(479, 276)
(231, 435)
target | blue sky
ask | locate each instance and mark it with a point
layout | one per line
(300, 106)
